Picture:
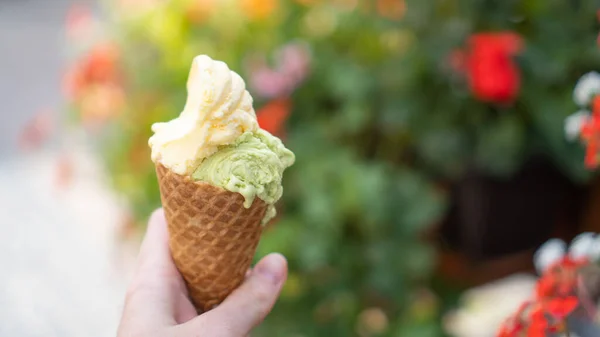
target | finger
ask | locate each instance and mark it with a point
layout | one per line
(154, 252)
(156, 284)
(248, 305)
(184, 310)
(155, 263)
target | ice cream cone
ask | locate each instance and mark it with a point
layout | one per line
(220, 176)
(212, 236)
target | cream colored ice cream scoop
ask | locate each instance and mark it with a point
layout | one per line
(218, 110)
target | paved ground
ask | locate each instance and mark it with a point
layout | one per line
(62, 269)
(31, 61)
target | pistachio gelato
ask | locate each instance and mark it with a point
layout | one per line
(253, 166)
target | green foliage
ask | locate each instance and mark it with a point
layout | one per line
(378, 123)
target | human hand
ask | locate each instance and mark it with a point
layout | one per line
(157, 305)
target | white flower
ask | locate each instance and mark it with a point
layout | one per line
(586, 245)
(550, 252)
(587, 87)
(574, 123)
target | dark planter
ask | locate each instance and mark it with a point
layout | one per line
(491, 217)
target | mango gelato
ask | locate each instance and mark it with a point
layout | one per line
(218, 110)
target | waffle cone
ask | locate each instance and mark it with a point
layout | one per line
(212, 236)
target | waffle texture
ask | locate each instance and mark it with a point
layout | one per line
(212, 236)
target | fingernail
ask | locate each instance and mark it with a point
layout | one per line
(273, 267)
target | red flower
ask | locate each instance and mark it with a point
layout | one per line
(506, 331)
(513, 326)
(560, 279)
(556, 290)
(537, 328)
(510, 328)
(556, 297)
(538, 323)
(545, 287)
(560, 308)
(590, 134)
(272, 116)
(491, 71)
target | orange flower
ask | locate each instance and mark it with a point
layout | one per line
(198, 11)
(101, 103)
(72, 82)
(259, 9)
(102, 62)
(99, 65)
(307, 2)
(391, 9)
(272, 116)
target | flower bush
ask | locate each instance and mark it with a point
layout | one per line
(384, 102)
(568, 286)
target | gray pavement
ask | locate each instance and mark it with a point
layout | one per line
(62, 270)
(32, 59)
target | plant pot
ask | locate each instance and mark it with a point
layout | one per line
(492, 217)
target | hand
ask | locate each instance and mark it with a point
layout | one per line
(157, 305)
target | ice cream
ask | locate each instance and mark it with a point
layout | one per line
(218, 110)
(252, 166)
(219, 177)
(216, 139)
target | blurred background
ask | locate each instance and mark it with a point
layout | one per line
(432, 155)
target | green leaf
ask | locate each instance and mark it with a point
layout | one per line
(417, 204)
(444, 150)
(282, 237)
(501, 145)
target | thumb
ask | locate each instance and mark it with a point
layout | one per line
(248, 305)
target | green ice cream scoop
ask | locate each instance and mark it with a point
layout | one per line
(252, 166)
